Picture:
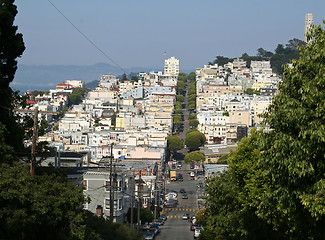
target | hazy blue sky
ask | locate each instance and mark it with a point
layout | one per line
(137, 33)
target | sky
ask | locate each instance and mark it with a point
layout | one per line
(143, 33)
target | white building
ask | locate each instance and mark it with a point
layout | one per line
(309, 21)
(171, 66)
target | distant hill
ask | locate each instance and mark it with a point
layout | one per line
(41, 77)
(92, 84)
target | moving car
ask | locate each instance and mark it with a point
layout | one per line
(182, 190)
(185, 196)
(185, 216)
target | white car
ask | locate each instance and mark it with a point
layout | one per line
(197, 232)
(185, 216)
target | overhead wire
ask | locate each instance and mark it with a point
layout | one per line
(88, 39)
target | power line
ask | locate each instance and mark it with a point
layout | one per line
(88, 39)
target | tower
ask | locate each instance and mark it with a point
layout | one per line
(309, 20)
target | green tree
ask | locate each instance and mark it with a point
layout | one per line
(180, 86)
(192, 97)
(191, 76)
(278, 176)
(191, 105)
(177, 120)
(182, 76)
(194, 139)
(192, 116)
(178, 105)
(43, 126)
(194, 123)
(45, 205)
(113, 120)
(251, 91)
(99, 228)
(179, 98)
(134, 78)
(239, 191)
(192, 91)
(221, 60)
(11, 47)
(264, 53)
(195, 156)
(76, 95)
(174, 143)
(124, 78)
(179, 111)
(145, 215)
(293, 201)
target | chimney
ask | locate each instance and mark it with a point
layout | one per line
(99, 210)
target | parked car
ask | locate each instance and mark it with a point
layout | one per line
(197, 232)
(191, 165)
(148, 234)
(193, 226)
(182, 190)
(146, 227)
(157, 226)
(180, 177)
(163, 216)
(160, 221)
(154, 230)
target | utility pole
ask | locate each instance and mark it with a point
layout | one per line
(132, 199)
(34, 139)
(139, 202)
(156, 196)
(111, 191)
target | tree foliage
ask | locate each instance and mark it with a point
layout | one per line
(296, 146)
(179, 98)
(44, 206)
(99, 228)
(192, 116)
(180, 86)
(11, 47)
(145, 215)
(195, 156)
(194, 139)
(191, 76)
(275, 184)
(251, 91)
(76, 95)
(174, 143)
(194, 123)
(11, 43)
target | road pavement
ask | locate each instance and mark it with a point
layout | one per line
(175, 228)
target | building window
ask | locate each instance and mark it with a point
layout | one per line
(107, 186)
(116, 202)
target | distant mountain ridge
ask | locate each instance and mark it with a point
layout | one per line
(42, 77)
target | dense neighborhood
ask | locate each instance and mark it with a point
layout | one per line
(128, 122)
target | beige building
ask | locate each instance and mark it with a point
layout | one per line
(240, 117)
(171, 66)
